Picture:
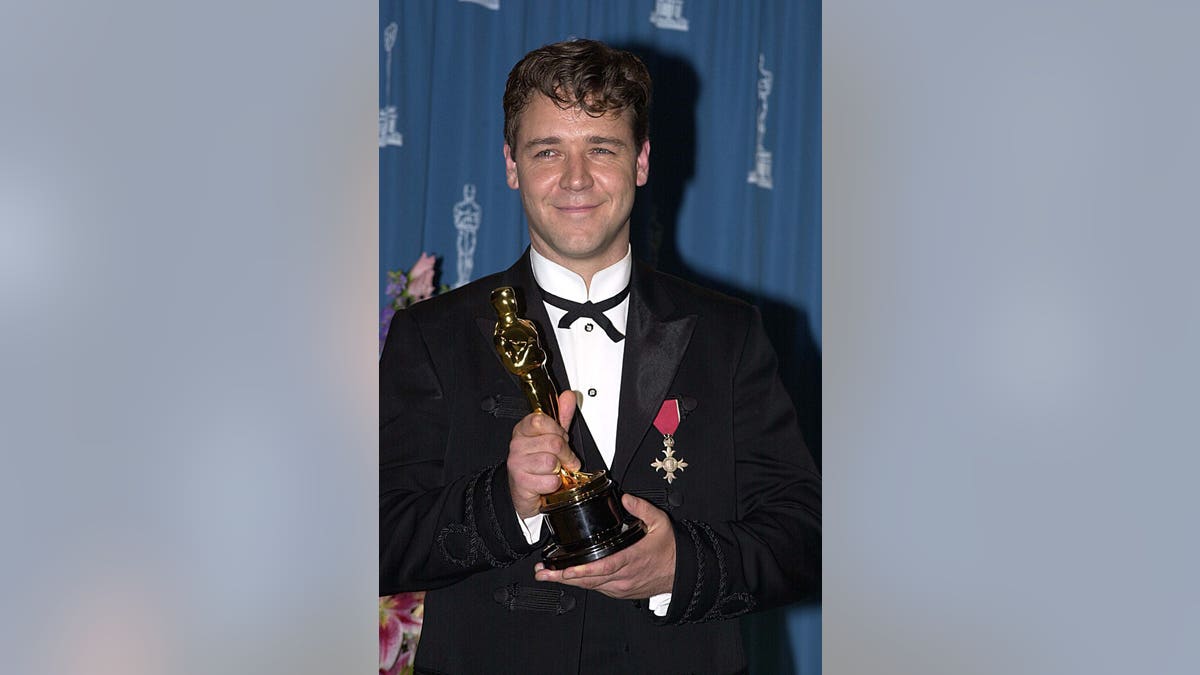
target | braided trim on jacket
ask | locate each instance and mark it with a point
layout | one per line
(718, 609)
(470, 530)
(723, 578)
(492, 517)
(691, 530)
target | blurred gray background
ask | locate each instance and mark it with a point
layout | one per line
(188, 253)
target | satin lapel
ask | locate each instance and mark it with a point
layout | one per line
(585, 446)
(655, 344)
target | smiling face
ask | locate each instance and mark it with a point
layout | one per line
(577, 175)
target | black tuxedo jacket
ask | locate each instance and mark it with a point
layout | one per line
(746, 510)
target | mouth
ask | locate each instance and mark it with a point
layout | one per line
(572, 209)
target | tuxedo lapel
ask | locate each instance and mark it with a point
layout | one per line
(656, 340)
(585, 446)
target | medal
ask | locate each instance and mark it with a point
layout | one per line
(667, 422)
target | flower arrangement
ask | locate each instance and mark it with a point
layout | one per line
(400, 618)
(401, 615)
(407, 289)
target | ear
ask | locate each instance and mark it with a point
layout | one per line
(510, 168)
(643, 163)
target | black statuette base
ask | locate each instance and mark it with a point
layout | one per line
(588, 523)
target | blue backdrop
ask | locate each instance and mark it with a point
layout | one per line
(733, 200)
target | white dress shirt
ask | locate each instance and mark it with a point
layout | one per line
(592, 360)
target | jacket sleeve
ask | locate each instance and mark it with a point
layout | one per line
(434, 529)
(771, 553)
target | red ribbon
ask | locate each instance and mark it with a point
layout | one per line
(667, 420)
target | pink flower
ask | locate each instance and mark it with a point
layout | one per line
(400, 618)
(389, 640)
(408, 654)
(407, 607)
(420, 279)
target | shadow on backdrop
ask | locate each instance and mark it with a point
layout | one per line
(769, 645)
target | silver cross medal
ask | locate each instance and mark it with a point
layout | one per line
(669, 463)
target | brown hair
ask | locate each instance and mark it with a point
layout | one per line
(583, 74)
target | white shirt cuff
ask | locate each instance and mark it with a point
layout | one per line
(659, 603)
(532, 527)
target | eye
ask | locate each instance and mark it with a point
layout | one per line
(544, 153)
(602, 151)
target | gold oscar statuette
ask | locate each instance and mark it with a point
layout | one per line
(586, 518)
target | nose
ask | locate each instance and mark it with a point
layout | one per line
(576, 175)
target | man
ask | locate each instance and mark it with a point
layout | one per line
(671, 388)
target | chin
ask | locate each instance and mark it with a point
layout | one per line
(573, 247)
(578, 253)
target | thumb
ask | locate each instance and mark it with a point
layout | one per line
(639, 507)
(566, 408)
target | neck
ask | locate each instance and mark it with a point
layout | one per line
(586, 269)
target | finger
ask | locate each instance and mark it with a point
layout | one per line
(552, 446)
(542, 463)
(541, 424)
(544, 484)
(640, 508)
(567, 404)
(527, 426)
(569, 460)
(554, 576)
(589, 583)
(560, 454)
(531, 458)
(535, 474)
(612, 586)
(604, 567)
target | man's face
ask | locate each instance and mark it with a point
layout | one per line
(577, 175)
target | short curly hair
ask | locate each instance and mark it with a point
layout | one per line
(584, 74)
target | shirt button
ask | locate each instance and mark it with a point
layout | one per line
(591, 392)
(588, 327)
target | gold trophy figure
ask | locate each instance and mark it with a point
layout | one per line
(518, 346)
(587, 521)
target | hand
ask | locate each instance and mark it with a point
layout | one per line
(643, 570)
(538, 447)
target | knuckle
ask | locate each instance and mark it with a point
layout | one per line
(523, 464)
(539, 422)
(519, 447)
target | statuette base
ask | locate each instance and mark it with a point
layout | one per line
(588, 522)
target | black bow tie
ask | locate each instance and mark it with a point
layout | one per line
(592, 310)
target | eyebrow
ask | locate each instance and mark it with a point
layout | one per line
(606, 140)
(593, 140)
